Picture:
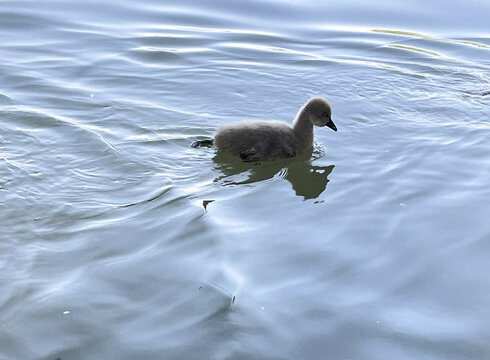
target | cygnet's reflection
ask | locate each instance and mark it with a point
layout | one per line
(307, 180)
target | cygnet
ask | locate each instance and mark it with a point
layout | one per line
(270, 140)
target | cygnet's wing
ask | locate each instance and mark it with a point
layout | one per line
(248, 154)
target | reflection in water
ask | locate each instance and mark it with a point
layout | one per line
(307, 180)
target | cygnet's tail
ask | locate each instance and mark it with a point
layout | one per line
(199, 143)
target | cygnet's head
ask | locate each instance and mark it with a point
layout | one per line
(320, 112)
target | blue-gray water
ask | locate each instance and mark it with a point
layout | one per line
(374, 247)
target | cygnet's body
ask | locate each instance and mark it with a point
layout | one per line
(270, 140)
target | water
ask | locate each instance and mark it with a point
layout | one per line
(119, 241)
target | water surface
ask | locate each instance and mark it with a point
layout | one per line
(119, 241)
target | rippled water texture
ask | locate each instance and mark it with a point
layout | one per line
(119, 241)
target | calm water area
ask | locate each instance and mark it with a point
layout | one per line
(120, 241)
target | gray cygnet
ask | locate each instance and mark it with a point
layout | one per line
(270, 140)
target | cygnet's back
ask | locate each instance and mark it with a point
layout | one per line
(269, 140)
(257, 140)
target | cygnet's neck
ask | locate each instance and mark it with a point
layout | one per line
(303, 128)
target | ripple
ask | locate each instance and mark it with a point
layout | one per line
(47, 119)
(425, 36)
(171, 50)
(309, 58)
(5, 100)
(197, 29)
(416, 49)
(161, 193)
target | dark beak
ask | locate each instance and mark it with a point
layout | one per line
(331, 125)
